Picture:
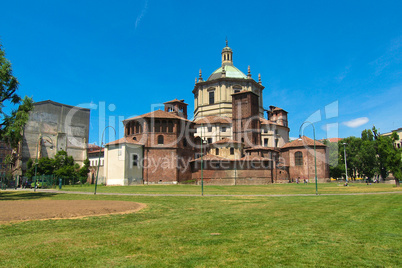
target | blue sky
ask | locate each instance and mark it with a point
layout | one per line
(336, 63)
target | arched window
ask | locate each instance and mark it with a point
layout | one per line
(160, 139)
(298, 159)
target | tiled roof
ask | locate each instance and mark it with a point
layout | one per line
(268, 122)
(124, 140)
(158, 114)
(226, 140)
(254, 158)
(305, 141)
(332, 139)
(174, 101)
(96, 151)
(278, 109)
(210, 157)
(213, 119)
(257, 148)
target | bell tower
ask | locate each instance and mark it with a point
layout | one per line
(227, 55)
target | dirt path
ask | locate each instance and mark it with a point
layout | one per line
(13, 211)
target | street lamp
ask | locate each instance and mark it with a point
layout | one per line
(100, 150)
(315, 156)
(202, 164)
(346, 165)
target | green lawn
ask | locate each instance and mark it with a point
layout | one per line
(288, 188)
(180, 231)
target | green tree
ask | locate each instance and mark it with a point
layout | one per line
(352, 159)
(64, 166)
(389, 156)
(16, 114)
(83, 171)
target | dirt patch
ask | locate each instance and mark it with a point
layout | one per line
(12, 211)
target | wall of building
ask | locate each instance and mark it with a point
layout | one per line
(307, 170)
(223, 88)
(62, 127)
(216, 133)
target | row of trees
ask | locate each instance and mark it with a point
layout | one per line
(368, 156)
(62, 166)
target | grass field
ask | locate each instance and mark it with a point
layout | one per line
(182, 231)
(289, 188)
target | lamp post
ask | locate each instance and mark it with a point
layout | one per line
(100, 150)
(346, 165)
(315, 156)
(202, 164)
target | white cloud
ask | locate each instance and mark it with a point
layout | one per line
(356, 122)
(139, 17)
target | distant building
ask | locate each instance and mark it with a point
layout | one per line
(398, 143)
(53, 127)
(228, 142)
(96, 159)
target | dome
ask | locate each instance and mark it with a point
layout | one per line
(231, 72)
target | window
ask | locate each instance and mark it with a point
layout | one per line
(231, 150)
(157, 126)
(209, 129)
(135, 160)
(266, 142)
(211, 97)
(135, 138)
(265, 130)
(160, 139)
(223, 129)
(184, 142)
(209, 140)
(216, 151)
(164, 126)
(236, 89)
(170, 126)
(298, 159)
(276, 142)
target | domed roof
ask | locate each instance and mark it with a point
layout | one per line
(231, 72)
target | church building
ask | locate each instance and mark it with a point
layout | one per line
(232, 139)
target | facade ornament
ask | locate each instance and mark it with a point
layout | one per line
(200, 78)
(223, 71)
(249, 73)
(259, 79)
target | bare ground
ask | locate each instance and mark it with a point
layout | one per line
(14, 211)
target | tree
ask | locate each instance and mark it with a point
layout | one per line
(389, 156)
(12, 122)
(84, 170)
(62, 166)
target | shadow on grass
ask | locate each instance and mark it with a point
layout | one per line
(24, 196)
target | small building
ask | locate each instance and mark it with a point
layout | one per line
(299, 160)
(96, 160)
